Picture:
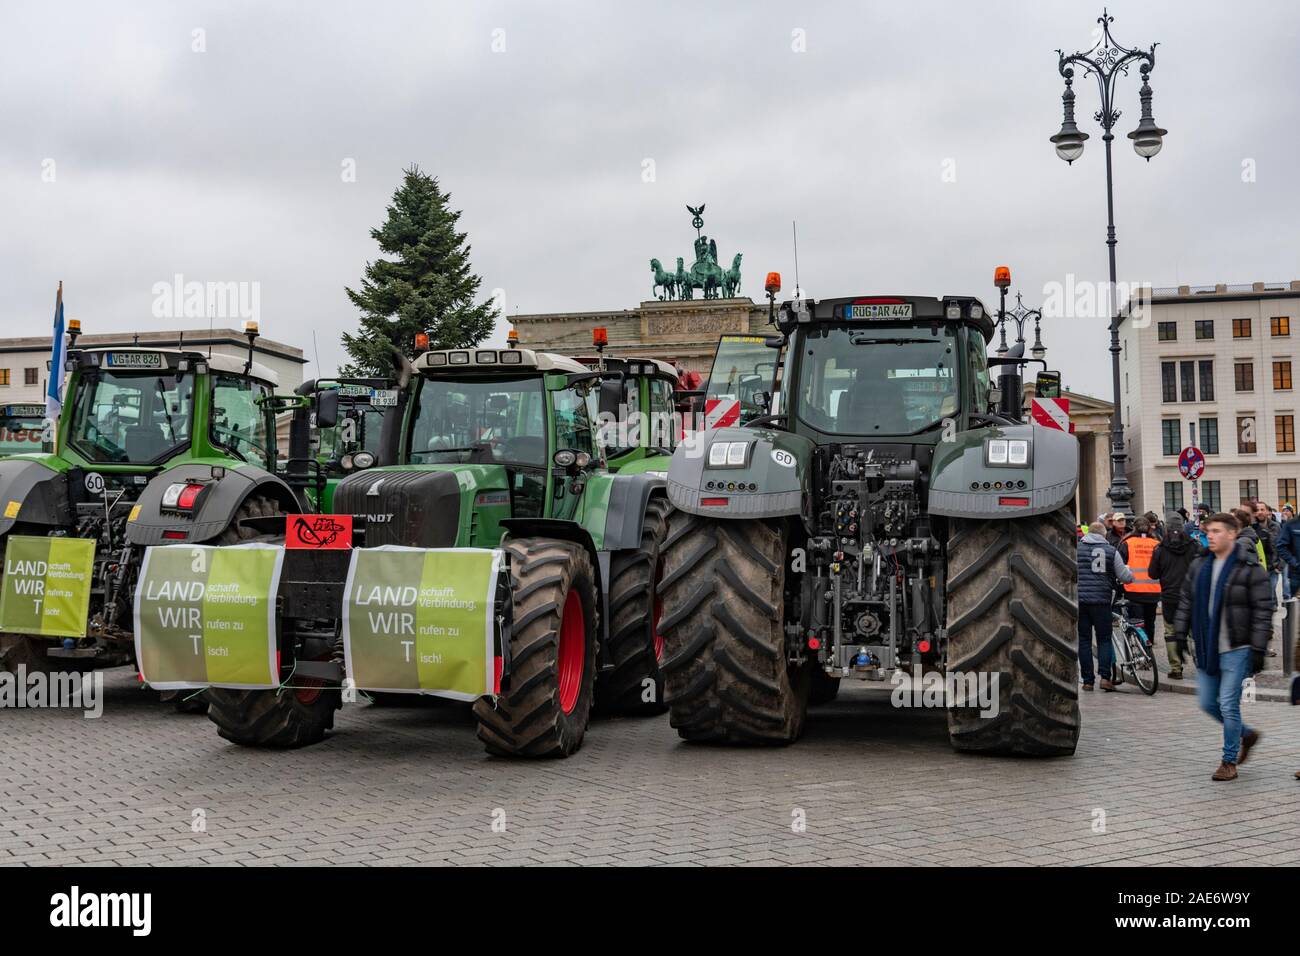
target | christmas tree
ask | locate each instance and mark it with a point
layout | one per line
(426, 286)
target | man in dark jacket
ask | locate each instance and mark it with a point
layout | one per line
(1226, 610)
(1100, 567)
(1288, 552)
(1169, 563)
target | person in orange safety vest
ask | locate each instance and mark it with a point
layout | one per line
(1143, 593)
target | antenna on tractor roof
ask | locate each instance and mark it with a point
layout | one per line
(794, 231)
(316, 348)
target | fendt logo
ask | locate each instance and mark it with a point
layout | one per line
(76, 909)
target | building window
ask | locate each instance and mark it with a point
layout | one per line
(4, 376)
(1279, 326)
(31, 376)
(1243, 376)
(1241, 328)
(1210, 496)
(1207, 380)
(1187, 374)
(1167, 331)
(1285, 492)
(1168, 382)
(1205, 328)
(1246, 434)
(1210, 436)
(1282, 376)
(1173, 495)
(1170, 432)
(1285, 430)
(1249, 488)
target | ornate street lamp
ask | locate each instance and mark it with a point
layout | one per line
(1107, 60)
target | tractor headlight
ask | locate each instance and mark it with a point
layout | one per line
(1011, 452)
(729, 454)
(362, 459)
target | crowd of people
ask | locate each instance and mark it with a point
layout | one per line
(1218, 581)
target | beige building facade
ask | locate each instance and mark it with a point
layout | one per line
(684, 331)
(1214, 367)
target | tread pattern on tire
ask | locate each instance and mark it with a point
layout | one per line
(1012, 609)
(631, 613)
(268, 718)
(526, 720)
(726, 677)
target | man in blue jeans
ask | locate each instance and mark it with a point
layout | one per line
(1227, 608)
(1100, 569)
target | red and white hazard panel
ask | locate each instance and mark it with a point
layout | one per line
(1052, 413)
(721, 412)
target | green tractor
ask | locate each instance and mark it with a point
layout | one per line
(642, 436)
(154, 446)
(335, 430)
(881, 513)
(493, 449)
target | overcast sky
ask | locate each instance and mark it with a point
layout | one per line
(909, 140)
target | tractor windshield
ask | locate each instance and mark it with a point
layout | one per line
(461, 419)
(877, 380)
(131, 417)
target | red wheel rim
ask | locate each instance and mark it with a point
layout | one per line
(573, 651)
(309, 694)
(657, 614)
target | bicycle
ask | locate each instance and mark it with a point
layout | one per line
(1133, 650)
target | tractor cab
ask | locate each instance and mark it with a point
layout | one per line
(481, 436)
(335, 430)
(868, 369)
(642, 433)
(134, 410)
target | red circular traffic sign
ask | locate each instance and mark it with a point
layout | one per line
(1191, 463)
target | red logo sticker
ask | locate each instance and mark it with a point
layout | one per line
(319, 532)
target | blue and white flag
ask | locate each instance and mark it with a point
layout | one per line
(54, 389)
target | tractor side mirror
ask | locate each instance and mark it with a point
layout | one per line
(611, 397)
(327, 408)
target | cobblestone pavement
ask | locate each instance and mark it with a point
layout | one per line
(874, 785)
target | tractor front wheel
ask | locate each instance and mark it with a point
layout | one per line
(727, 677)
(546, 696)
(284, 718)
(1013, 613)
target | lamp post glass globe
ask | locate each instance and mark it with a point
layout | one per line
(1069, 144)
(1147, 139)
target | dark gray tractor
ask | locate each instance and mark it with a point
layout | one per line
(881, 513)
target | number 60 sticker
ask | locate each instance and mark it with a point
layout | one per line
(783, 458)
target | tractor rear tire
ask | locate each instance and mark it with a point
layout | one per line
(283, 718)
(635, 686)
(546, 698)
(726, 674)
(23, 650)
(1013, 610)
